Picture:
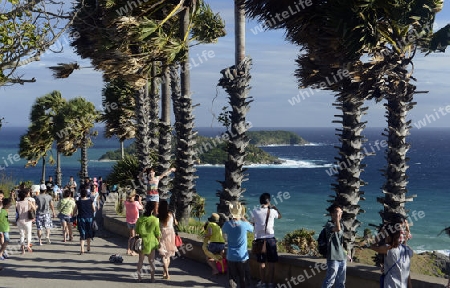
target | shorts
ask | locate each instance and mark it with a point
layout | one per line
(152, 195)
(131, 226)
(216, 247)
(271, 254)
(44, 221)
(64, 218)
(5, 237)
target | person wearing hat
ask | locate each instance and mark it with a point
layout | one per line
(216, 243)
(237, 253)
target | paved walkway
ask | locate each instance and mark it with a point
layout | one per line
(59, 265)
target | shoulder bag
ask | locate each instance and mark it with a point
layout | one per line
(31, 212)
(383, 275)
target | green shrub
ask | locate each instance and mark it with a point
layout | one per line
(193, 227)
(300, 242)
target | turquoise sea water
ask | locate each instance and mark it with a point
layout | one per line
(302, 185)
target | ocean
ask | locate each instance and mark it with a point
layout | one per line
(301, 185)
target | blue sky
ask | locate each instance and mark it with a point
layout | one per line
(273, 83)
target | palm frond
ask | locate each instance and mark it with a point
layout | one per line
(63, 70)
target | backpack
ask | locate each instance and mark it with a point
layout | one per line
(322, 243)
(115, 258)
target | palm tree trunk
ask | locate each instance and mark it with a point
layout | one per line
(43, 169)
(239, 31)
(348, 193)
(175, 92)
(165, 133)
(183, 183)
(122, 149)
(84, 157)
(58, 169)
(399, 102)
(154, 108)
(143, 127)
(235, 80)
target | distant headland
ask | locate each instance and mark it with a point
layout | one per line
(210, 150)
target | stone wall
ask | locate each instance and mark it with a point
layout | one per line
(290, 271)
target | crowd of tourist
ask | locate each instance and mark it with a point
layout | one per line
(155, 224)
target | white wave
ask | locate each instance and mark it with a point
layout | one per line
(314, 144)
(443, 252)
(209, 165)
(287, 163)
(275, 145)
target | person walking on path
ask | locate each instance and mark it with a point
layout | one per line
(215, 240)
(44, 203)
(236, 230)
(147, 227)
(132, 205)
(23, 222)
(4, 226)
(263, 218)
(397, 261)
(72, 184)
(84, 210)
(66, 206)
(336, 256)
(167, 247)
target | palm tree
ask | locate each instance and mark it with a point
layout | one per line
(183, 182)
(119, 111)
(353, 29)
(38, 140)
(78, 117)
(124, 47)
(235, 80)
(392, 35)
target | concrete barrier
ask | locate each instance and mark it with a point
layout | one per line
(290, 271)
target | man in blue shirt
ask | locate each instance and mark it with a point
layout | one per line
(336, 257)
(237, 253)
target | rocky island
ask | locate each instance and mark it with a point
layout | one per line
(210, 150)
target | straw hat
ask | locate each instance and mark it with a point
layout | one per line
(237, 210)
(214, 218)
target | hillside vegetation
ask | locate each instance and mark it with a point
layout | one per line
(210, 150)
(277, 137)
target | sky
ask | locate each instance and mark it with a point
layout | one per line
(273, 85)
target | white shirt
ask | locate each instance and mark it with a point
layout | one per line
(259, 218)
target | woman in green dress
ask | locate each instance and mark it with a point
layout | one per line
(147, 227)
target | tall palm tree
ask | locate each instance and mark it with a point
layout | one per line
(197, 20)
(392, 35)
(125, 46)
(319, 31)
(119, 111)
(78, 117)
(235, 80)
(359, 28)
(41, 134)
(183, 182)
